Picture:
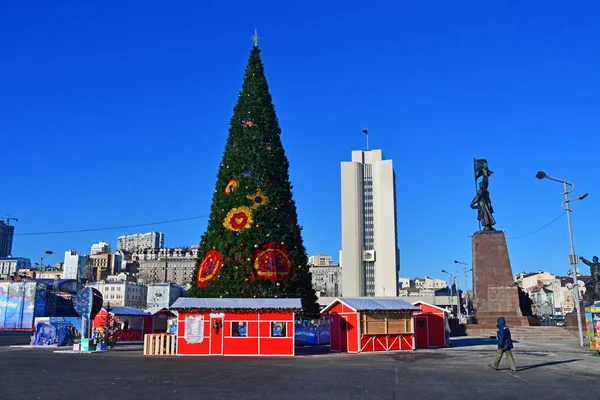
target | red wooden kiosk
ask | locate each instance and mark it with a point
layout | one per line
(235, 327)
(368, 324)
(133, 323)
(431, 325)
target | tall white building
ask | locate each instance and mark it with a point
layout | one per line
(141, 241)
(99, 248)
(320, 260)
(73, 265)
(369, 256)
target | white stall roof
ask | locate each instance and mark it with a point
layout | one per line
(240, 304)
(373, 304)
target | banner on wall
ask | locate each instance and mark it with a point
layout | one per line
(60, 331)
(44, 334)
(28, 305)
(3, 301)
(14, 306)
(39, 309)
(312, 332)
(194, 329)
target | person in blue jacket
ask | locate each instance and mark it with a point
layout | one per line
(505, 345)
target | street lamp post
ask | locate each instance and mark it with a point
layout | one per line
(457, 290)
(466, 285)
(47, 252)
(572, 257)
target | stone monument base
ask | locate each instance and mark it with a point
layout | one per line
(496, 293)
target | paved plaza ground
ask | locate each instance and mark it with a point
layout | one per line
(548, 370)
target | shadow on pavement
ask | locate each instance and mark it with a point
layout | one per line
(312, 350)
(547, 364)
(471, 341)
(474, 341)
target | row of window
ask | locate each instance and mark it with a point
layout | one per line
(240, 329)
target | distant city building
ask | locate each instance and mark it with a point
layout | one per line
(10, 265)
(48, 273)
(327, 280)
(369, 257)
(105, 264)
(179, 264)
(550, 294)
(403, 283)
(6, 239)
(73, 265)
(141, 241)
(429, 283)
(320, 260)
(99, 248)
(118, 292)
(162, 295)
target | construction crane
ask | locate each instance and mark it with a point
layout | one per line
(8, 219)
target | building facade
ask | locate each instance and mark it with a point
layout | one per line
(167, 265)
(48, 273)
(320, 260)
(162, 295)
(429, 283)
(550, 294)
(10, 265)
(100, 247)
(327, 280)
(104, 264)
(73, 265)
(118, 292)
(141, 241)
(403, 283)
(369, 257)
(6, 239)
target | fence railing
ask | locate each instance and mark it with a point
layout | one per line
(160, 344)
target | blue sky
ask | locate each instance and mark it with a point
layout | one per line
(115, 114)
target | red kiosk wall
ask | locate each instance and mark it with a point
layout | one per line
(436, 330)
(216, 336)
(257, 342)
(344, 329)
(184, 348)
(421, 332)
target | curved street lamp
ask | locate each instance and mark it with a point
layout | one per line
(572, 257)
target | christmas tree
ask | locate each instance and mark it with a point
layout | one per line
(253, 246)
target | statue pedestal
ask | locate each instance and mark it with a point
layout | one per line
(496, 294)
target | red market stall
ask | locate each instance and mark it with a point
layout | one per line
(132, 323)
(431, 326)
(235, 327)
(160, 319)
(368, 324)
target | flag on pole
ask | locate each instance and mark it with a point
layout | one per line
(366, 131)
(481, 168)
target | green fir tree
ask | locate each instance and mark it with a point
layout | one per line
(253, 245)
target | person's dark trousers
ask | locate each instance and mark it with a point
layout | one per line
(509, 356)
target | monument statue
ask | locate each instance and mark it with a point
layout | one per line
(482, 202)
(592, 287)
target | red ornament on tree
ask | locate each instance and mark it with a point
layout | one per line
(209, 267)
(272, 261)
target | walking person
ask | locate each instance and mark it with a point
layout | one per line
(505, 345)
